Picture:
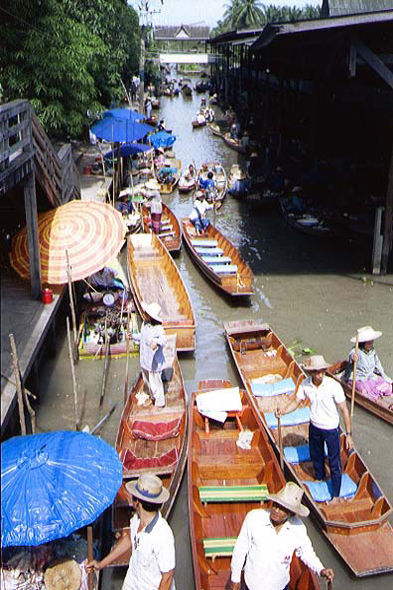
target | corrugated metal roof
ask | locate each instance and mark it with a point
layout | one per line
(345, 7)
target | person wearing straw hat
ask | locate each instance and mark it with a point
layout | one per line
(151, 350)
(198, 214)
(371, 379)
(150, 538)
(325, 396)
(267, 541)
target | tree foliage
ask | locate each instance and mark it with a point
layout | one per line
(67, 57)
(243, 14)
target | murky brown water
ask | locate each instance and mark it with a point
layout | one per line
(306, 289)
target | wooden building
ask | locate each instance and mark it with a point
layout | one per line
(326, 84)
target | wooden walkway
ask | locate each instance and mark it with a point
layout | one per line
(30, 321)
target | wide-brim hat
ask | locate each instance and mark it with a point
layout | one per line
(153, 185)
(366, 334)
(290, 497)
(168, 163)
(199, 195)
(149, 488)
(315, 363)
(63, 575)
(153, 310)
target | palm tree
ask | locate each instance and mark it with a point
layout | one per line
(249, 14)
(230, 14)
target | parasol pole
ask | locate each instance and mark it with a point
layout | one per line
(355, 362)
(127, 356)
(15, 364)
(104, 376)
(71, 297)
(90, 556)
(74, 383)
(280, 442)
(113, 170)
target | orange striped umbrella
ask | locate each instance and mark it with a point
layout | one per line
(91, 232)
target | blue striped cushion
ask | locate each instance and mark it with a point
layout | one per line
(299, 454)
(270, 389)
(321, 491)
(224, 269)
(301, 416)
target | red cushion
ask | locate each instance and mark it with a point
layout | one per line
(131, 462)
(156, 430)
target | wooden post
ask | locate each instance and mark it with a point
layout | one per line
(74, 383)
(127, 355)
(388, 226)
(280, 443)
(71, 296)
(378, 241)
(18, 385)
(355, 362)
(90, 556)
(32, 235)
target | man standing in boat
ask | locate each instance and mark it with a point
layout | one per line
(198, 214)
(151, 351)
(325, 395)
(267, 541)
(150, 539)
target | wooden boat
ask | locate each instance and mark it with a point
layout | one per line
(196, 124)
(169, 187)
(170, 229)
(308, 223)
(215, 464)
(383, 407)
(155, 103)
(220, 179)
(146, 438)
(219, 260)
(234, 143)
(215, 129)
(358, 527)
(152, 121)
(186, 185)
(154, 277)
(186, 90)
(237, 173)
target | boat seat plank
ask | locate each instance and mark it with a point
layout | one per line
(321, 491)
(226, 269)
(301, 416)
(209, 251)
(285, 386)
(243, 493)
(205, 243)
(217, 259)
(219, 546)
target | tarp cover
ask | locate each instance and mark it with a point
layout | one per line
(53, 484)
(162, 139)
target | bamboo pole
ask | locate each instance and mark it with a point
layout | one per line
(90, 556)
(74, 383)
(26, 394)
(113, 170)
(15, 364)
(104, 376)
(71, 297)
(355, 362)
(127, 356)
(280, 442)
(104, 419)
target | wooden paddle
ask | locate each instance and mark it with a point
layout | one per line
(280, 442)
(127, 356)
(329, 586)
(355, 362)
(90, 556)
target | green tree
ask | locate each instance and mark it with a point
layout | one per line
(249, 13)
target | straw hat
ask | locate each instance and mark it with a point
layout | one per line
(290, 497)
(153, 310)
(64, 575)
(199, 195)
(315, 363)
(149, 488)
(366, 334)
(153, 185)
(238, 172)
(168, 163)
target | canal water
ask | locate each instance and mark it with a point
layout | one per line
(310, 291)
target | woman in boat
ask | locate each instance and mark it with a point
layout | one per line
(155, 211)
(152, 561)
(151, 351)
(371, 379)
(325, 395)
(268, 539)
(198, 213)
(148, 107)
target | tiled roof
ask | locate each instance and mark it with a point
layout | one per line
(182, 32)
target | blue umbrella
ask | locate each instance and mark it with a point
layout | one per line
(53, 484)
(125, 114)
(120, 130)
(129, 149)
(162, 139)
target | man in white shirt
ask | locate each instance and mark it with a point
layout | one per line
(325, 395)
(150, 538)
(198, 213)
(267, 541)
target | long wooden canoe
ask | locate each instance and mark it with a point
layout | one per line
(152, 441)
(358, 527)
(383, 407)
(233, 143)
(170, 229)
(306, 222)
(220, 179)
(215, 129)
(219, 260)
(225, 482)
(154, 277)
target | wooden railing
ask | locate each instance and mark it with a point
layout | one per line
(24, 140)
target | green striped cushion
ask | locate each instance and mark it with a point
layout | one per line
(219, 546)
(256, 493)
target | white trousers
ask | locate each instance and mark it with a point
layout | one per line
(155, 386)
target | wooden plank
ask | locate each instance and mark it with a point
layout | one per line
(374, 62)
(32, 235)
